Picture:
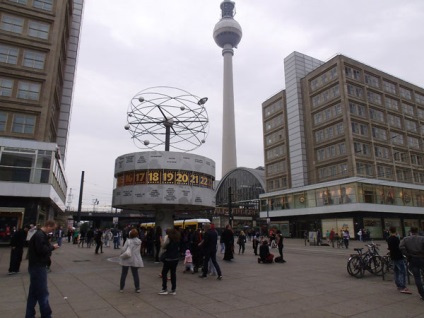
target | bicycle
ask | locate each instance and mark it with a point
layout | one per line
(371, 261)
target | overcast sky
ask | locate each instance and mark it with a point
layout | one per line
(129, 45)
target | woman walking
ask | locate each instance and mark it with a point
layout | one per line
(134, 261)
(170, 261)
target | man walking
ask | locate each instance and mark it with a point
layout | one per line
(208, 244)
(413, 247)
(398, 261)
(39, 252)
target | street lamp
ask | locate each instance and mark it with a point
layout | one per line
(230, 208)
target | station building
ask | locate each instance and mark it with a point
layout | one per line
(343, 149)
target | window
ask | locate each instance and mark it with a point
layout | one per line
(46, 5)
(353, 73)
(374, 98)
(364, 169)
(379, 133)
(11, 23)
(8, 54)
(19, 1)
(357, 109)
(420, 113)
(372, 80)
(323, 79)
(28, 90)
(381, 152)
(362, 149)
(419, 98)
(384, 172)
(361, 129)
(417, 160)
(274, 123)
(400, 156)
(355, 91)
(408, 109)
(6, 86)
(394, 121)
(34, 59)
(376, 115)
(23, 124)
(389, 87)
(326, 96)
(38, 30)
(3, 121)
(405, 93)
(396, 138)
(413, 142)
(392, 104)
(411, 125)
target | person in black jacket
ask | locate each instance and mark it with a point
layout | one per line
(171, 247)
(265, 255)
(398, 261)
(208, 245)
(39, 252)
(17, 244)
(227, 237)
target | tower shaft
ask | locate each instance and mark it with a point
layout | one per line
(229, 154)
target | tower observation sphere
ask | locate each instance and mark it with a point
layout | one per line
(227, 30)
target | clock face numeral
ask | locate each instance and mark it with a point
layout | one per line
(154, 176)
(168, 177)
(164, 177)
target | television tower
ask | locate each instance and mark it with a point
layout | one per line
(227, 34)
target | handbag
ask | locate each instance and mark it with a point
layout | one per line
(127, 253)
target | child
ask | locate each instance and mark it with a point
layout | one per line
(188, 262)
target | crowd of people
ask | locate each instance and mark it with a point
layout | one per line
(197, 249)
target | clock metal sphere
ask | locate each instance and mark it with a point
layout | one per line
(167, 116)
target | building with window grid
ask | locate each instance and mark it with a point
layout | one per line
(38, 54)
(343, 148)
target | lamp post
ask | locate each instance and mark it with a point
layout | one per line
(230, 208)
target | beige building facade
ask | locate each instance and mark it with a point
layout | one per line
(38, 56)
(343, 148)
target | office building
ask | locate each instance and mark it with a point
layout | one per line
(38, 53)
(344, 149)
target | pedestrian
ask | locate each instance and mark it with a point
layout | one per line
(170, 261)
(59, 236)
(157, 242)
(39, 254)
(398, 261)
(99, 243)
(346, 238)
(134, 261)
(209, 248)
(360, 235)
(332, 237)
(188, 262)
(413, 248)
(116, 238)
(255, 243)
(241, 241)
(280, 246)
(228, 237)
(17, 243)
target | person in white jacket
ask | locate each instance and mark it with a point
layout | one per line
(134, 261)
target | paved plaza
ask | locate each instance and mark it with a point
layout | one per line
(313, 283)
